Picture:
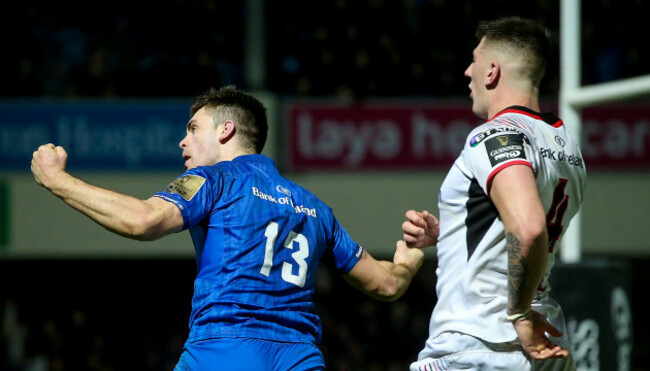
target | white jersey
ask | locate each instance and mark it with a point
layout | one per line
(472, 258)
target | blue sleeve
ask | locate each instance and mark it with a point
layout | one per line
(194, 193)
(344, 252)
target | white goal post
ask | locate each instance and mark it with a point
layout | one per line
(574, 97)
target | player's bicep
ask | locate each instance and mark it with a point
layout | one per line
(514, 192)
(164, 217)
(194, 195)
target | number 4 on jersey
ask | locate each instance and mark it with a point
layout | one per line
(556, 213)
(271, 234)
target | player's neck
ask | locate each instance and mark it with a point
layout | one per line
(230, 154)
(502, 101)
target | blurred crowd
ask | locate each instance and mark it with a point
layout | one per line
(368, 48)
(122, 315)
(133, 315)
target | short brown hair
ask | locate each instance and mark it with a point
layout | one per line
(530, 39)
(248, 113)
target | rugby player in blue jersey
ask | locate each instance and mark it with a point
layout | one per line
(258, 237)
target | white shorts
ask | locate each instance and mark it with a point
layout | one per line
(456, 351)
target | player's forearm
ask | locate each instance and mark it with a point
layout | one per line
(397, 281)
(119, 213)
(527, 259)
(384, 280)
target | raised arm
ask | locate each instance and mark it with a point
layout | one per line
(384, 280)
(515, 195)
(122, 214)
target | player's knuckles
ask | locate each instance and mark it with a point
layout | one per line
(408, 226)
(413, 229)
(414, 216)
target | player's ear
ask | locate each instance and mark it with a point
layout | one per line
(227, 131)
(492, 75)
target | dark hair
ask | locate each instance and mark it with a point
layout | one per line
(248, 114)
(530, 40)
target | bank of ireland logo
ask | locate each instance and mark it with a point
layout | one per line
(560, 141)
(283, 190)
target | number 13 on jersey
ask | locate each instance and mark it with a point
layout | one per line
(299, 257)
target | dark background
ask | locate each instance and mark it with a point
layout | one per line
(329, 48)
(132, 314)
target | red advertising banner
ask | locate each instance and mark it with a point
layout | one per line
(410, 136)
(616, 138)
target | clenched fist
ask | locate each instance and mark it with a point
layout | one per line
(48, 162)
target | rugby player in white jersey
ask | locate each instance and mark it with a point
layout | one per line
(503, 206)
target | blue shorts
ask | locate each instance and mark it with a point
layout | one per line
(244, 354)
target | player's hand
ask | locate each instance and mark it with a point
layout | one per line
(532, 330)
(421, 229)
(48, 162)
(410, 257)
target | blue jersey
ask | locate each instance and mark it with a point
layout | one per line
(259, 239)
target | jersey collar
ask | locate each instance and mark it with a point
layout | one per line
(257, 158)
(548, 117)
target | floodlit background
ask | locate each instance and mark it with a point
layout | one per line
(367, 105)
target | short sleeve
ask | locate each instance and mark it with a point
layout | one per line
(194, 193)
(343, 253)
(490, 149)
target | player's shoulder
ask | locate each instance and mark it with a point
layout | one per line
(238, 166)
(207, 173)
(513, 121)
(305, 198)
(307, 194)
(493, 129)
(200, 177)
(526, 120)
